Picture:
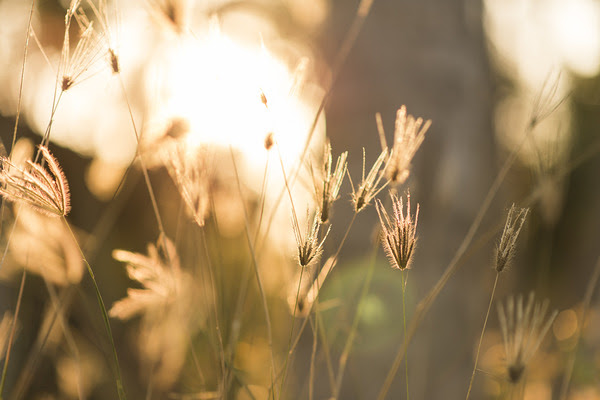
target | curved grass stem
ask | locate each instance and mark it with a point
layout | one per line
(118, 377)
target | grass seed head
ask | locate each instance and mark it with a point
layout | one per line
(328, 187)
(369, 186)
(398, 231)
(523, 329)
(190, 173)
(88, 50)
(309, 247)
(408, 135)
(43, 190)
(269, 141)
(506, 248)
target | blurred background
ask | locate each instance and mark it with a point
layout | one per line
(494, 76)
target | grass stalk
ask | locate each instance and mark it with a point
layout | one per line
(215, 312)
(487, 314)
(118, 377)
(353, 330)
(404, 282)
(255, 264)
(587, 299)
(311, 373)
(12, 332)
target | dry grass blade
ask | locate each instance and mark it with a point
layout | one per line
(43, 190)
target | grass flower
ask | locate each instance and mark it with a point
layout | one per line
(43, 190)
(190, 174)
(409, 133)
(166, 303)
(309, 247)
(506, 248)
(44, 246)
(398, 231)
(523, 330)
(369, 186)
(328, 188)
(87, 52)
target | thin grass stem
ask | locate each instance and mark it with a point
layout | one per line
(12, 332)
(587, 299)
(216, 314)
(255, 264)
(311, 373)
(353, 330)
(404, 283)
(118, 378)
(289, 352)
(487, 314)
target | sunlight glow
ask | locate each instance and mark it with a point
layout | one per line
(215, 84)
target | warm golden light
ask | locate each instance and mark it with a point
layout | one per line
(218, 85)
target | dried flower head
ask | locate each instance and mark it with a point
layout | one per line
(44, 246)
(45, 191)
(409, 133)
(189, 170)
(523, 330)
(269, 141)
(327, 188)
(100, 11)
(73, 65)
(398, 234)
(168, 304)
(506, 248)
(309, 247)
(369, 186)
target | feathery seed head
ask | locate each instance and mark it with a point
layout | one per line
(408, 135)
(523, 330)
(191, 177)
(269, 141)
(506, 248)
(370, 186)
(43, 190)
(328, 190)
(263, 98)
(309, 247)
(73, 65)
(114, 61)
(398, 231)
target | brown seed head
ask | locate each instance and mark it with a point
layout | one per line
(269, 141)
(309, 247)
(398, 234)
(506, 248)
(43, 190)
